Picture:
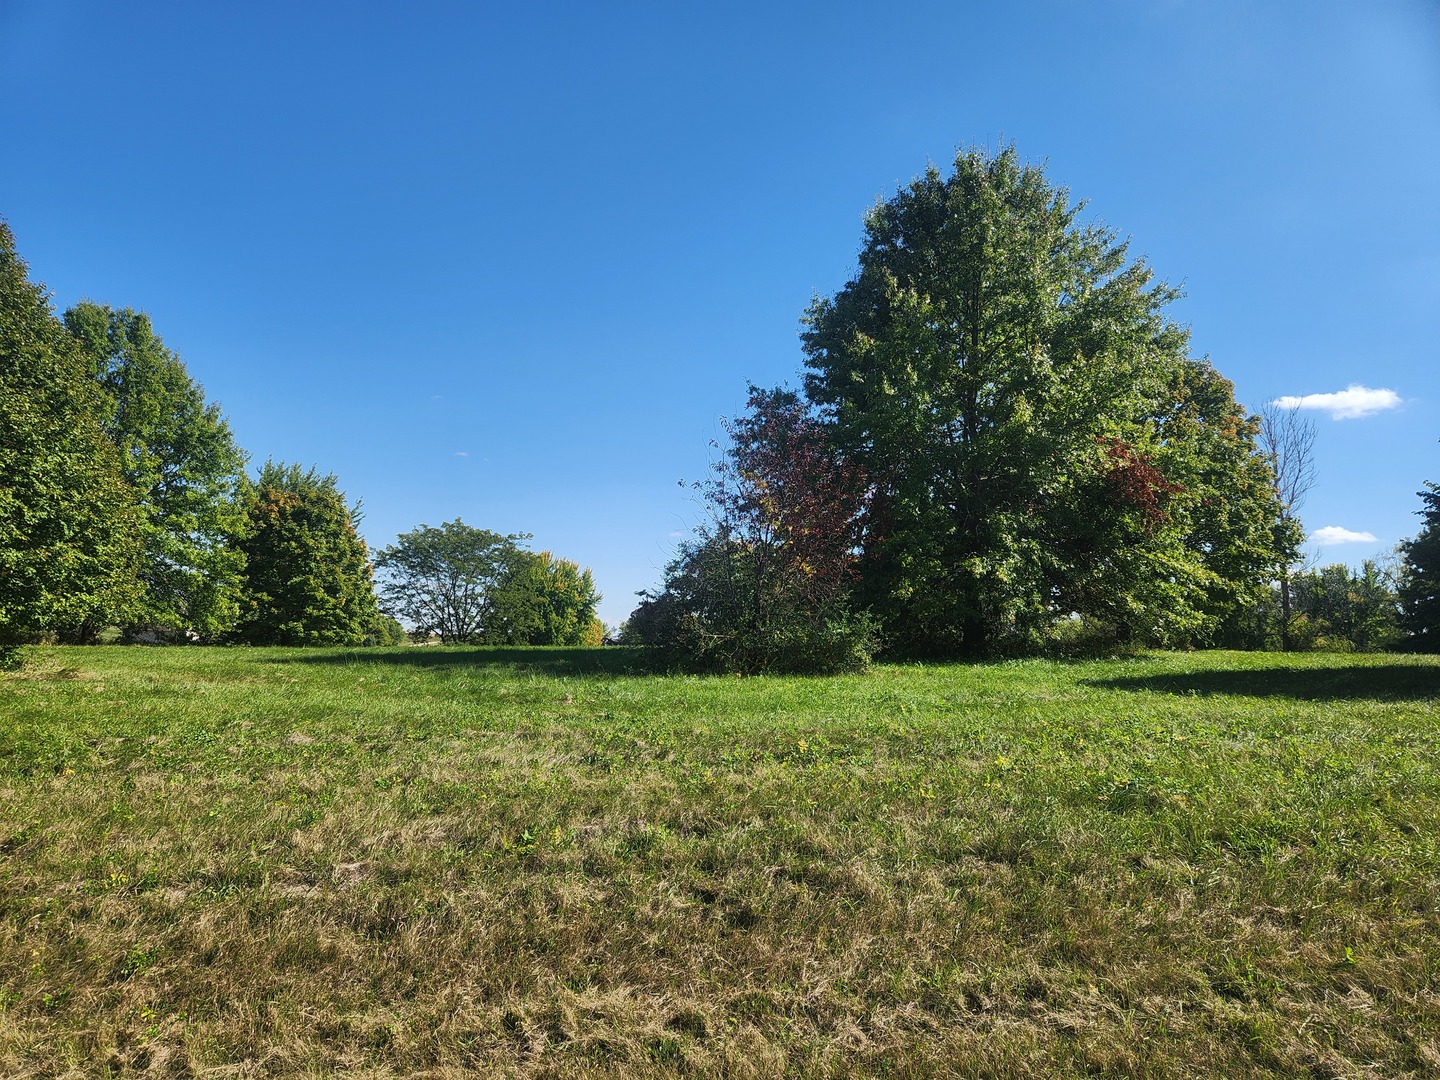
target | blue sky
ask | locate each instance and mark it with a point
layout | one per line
(512, 262)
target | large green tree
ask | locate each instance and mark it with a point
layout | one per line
(179, 456)
(307, 570)
(1420, 577)
(68, 523)
(1039, 443)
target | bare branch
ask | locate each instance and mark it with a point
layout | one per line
(1287, 439)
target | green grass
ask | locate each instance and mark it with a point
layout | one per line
(433, 862)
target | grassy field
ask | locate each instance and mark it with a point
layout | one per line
(452, 862)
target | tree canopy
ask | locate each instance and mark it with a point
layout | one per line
(307, 570)
(69, 529)
(471, 586)
(1039, 443)
(180, 459)
(545, 600)
(1339, 609)
(442, 581)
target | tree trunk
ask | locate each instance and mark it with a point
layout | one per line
(1285, 610)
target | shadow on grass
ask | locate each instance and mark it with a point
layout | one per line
(1378, 682)
(611, 660)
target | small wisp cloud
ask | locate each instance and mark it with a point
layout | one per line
(1351, 403)
(1331, 535)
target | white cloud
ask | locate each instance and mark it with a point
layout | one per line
(462, 453)
(1331, 535)
(1348, 404)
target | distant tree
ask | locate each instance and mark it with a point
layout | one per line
(1287, 441)
(69, 528)
(443, 580)
(307, 570)
(764, 586)
(179, 456)
(1336, 608)
(655, 621)
(543, 600)
(1420, 577)
(1038, 443)
(594, 634)
(387, 631)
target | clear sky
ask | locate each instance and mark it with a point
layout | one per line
(512, 262)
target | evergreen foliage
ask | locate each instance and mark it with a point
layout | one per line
(1420, 582)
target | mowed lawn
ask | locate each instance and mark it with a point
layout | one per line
(425, 862)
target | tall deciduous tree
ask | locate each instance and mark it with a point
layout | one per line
(1038, 442)
(307, 571)
(1420, 577)
(178, 454)
(443, 580)
(68, 522)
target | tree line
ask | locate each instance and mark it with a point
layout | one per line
(1003, 447)
(125, 502)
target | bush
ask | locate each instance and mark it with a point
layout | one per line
(795, 646)
(1086, 639)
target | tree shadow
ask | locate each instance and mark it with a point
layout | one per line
(1339, 682)
(552, 661)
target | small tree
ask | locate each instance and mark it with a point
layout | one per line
(307, 570)
(765, 586)
(1420, 577)
(443, 580)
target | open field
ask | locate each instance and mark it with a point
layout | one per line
(438, 862)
